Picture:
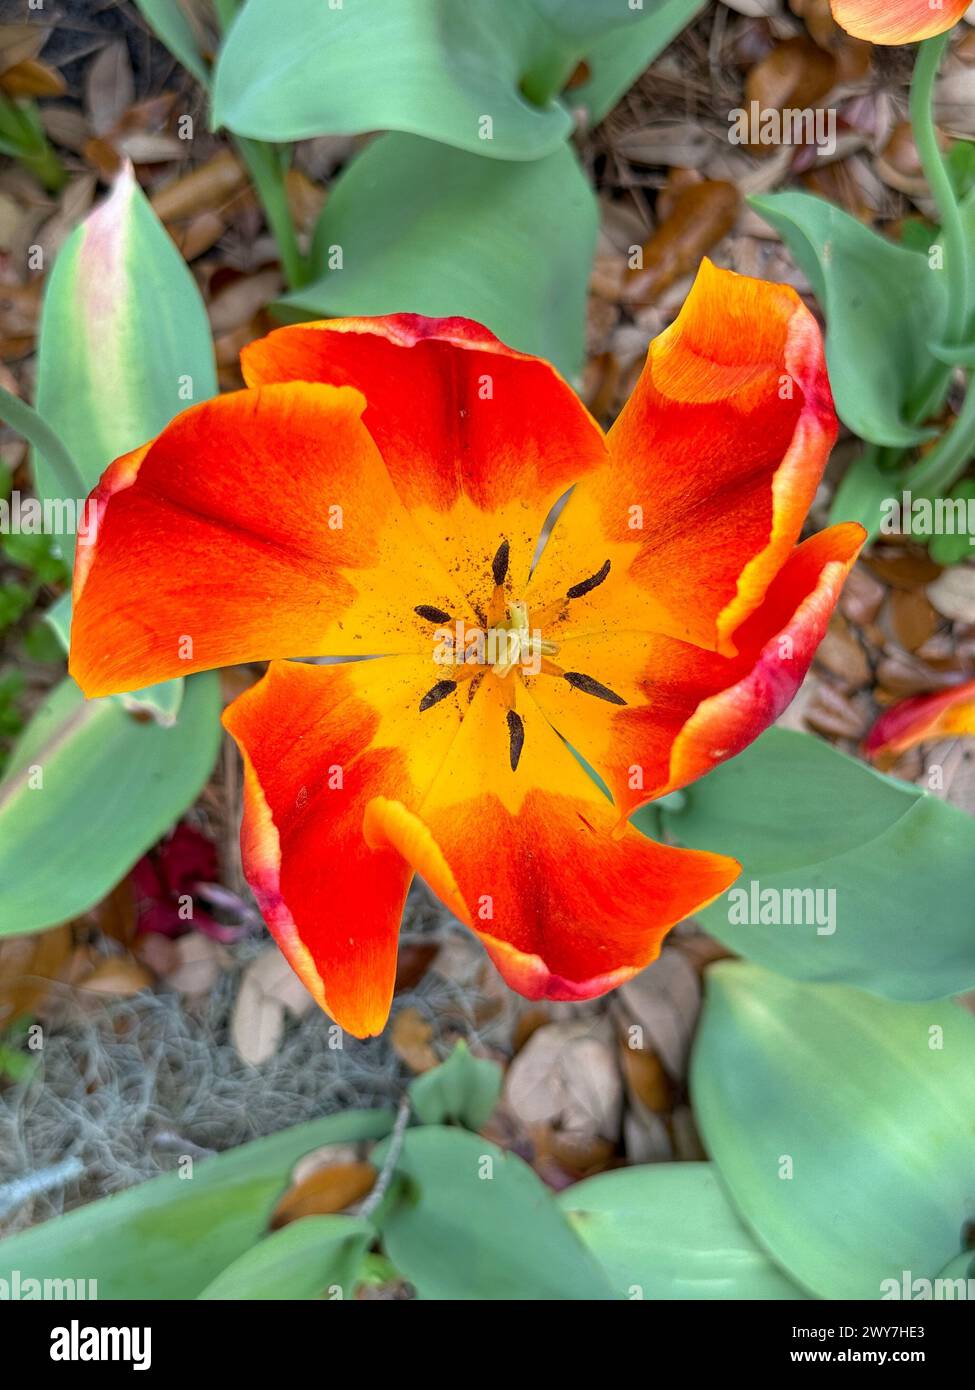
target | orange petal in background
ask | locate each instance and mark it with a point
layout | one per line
(897, 21)
(921, 719)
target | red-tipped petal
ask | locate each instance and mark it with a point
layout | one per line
(480, 440)
(715, 460)
(262, 524)
(528, 857)
(678, 710)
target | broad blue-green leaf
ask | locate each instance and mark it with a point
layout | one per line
(883, 305)
(806, 821)
(124, 343)
(507, 245)
(464, 1090)
(88, 789)
(617, 56)
(318, 1255)
(477, 1223)
(842, 1125)
(169, 22)
(435, 68)
(668, 1231)
(171, 1236)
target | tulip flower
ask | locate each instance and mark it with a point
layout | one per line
(379, 490)
(922, 719)
(897, 21)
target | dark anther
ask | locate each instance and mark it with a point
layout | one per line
(590, 687)
(439, 692)
(499, 565)
(430, 614)
(516, 733)
(587, 585)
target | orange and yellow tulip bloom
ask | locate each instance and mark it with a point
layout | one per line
(379, 490)
(922, 719)
(897, 21)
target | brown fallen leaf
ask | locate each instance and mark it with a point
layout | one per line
(330, 1189)
(32, 78)
(109, 87)
(118, 975)
(902, 567)
(269, 989)
(646, 1078)
(203, 189)
(910, 618)
(842, 655)
(410, 1036)
(701, 215)
(28, 965)
(862, 596)
(657, 1010)
(566, 1078)
(953, 593)
(796, 75)
(19, 42)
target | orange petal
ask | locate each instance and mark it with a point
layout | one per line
(687, 709)
(528, 858)
(260, 524)
(319, 743)
(715, 460)
(897, 21)
(480, 440)
(921, 720)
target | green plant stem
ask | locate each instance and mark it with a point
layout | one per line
(26, 421)
(944, 465)
(265, 171)
(930, 53)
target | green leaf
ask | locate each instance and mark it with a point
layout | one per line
(618, 56)
(507, 245)
(172, 1236)
(463, 1090)
(668, 1231)
(314, 1256)
(427, 67)
(62, 469)
(169, 23)
(88, 789)
(841, 1124)
(883, 304)
(476, 1223)
(125, 342)
(863, 490)
(952, 549)
(805, 819)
